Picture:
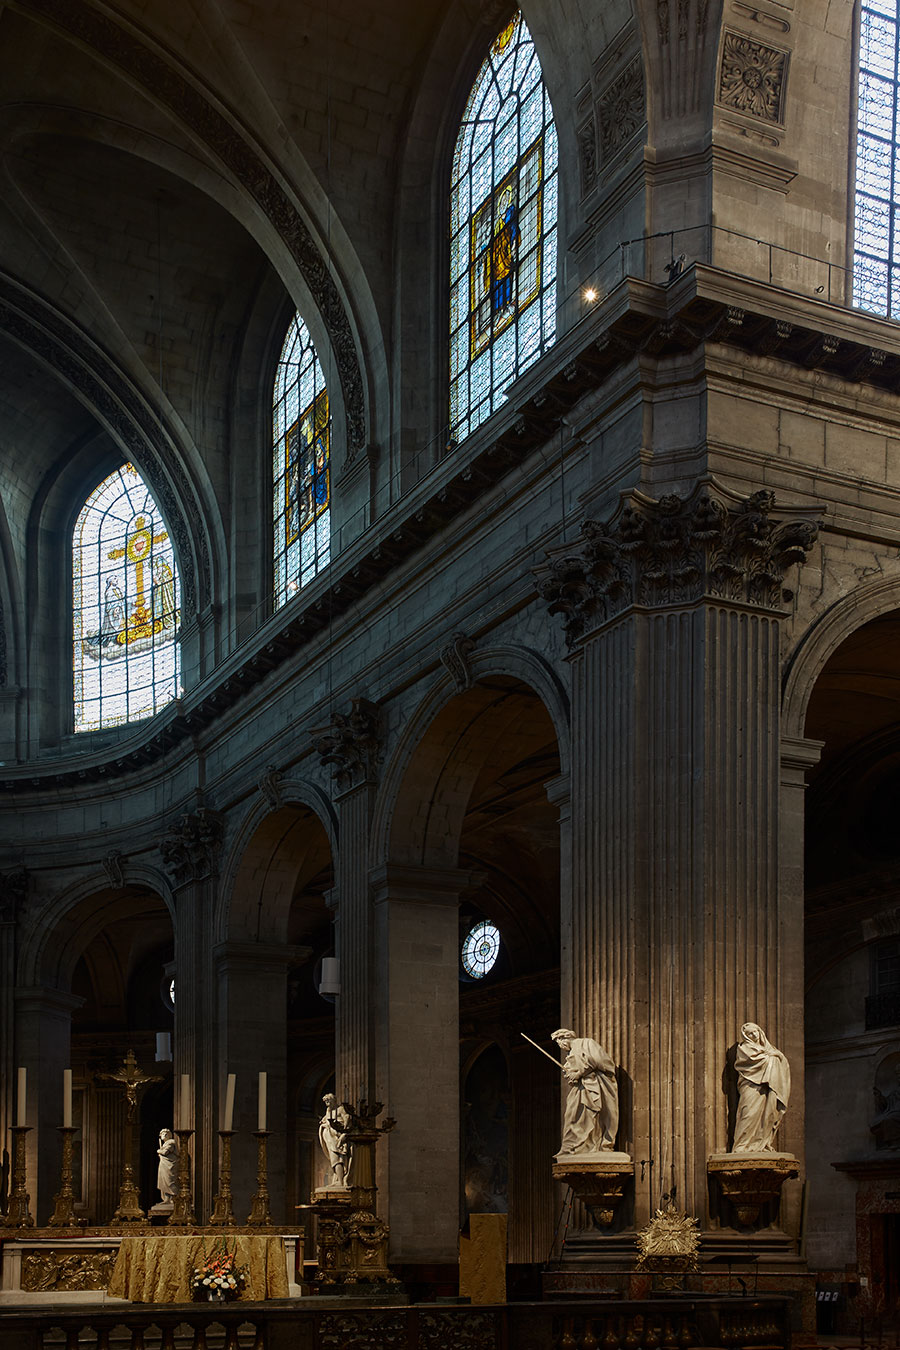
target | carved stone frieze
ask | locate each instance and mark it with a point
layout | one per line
(477, 1330)
(674, 551)
(371, 1329)
(270, 787)
(13, 890)
(190, 848)
(166, 85)
(351, 744)
(44, 1271)
(455, 657)
(113, 867)
(622, 108)
(753, 78)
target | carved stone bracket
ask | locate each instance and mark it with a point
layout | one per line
(599, 1185)
(270, 787)
(13, 891)
(749, 1183)
(675, 551)
(190, 848)
(113, 866)
(455, 657)
(351, 744)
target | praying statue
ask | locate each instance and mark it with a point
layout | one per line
(335, 1145)
(764, 1087)
(166, 1174)
(592, 1107)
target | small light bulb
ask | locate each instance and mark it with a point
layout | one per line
(590, 295)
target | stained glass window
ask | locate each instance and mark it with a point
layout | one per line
(503, 209)
(480, 949)
(876, 259)
(125, 605)
(301, 464)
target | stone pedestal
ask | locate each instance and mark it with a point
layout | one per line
(751, 1181)
(598, 1180)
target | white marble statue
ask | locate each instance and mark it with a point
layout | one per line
(334, 1142)
(592, 1108)
(764, 1088)
(167, 1172)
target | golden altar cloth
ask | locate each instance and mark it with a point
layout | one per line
(158, 1269)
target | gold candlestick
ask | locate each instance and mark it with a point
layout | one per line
(259, 1216)
(19, 1215)
(64, 1215)
(222, 1211)
(183, 1208)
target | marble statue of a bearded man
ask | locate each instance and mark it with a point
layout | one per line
(592, 1107)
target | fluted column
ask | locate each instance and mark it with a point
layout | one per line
(13, 888)
(416, 1002)
(679, 933)
(190, 851)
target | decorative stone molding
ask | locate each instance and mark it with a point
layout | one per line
(112, 866)
(351, 744)
(13, 891)
(270, 787)
(455, 657)
(622, 108)
(190, 848)
(674, 551)
(587, 155)
(3, 665)
(165, 84)
(750, 1182)
(599, 1185)
(753, 78)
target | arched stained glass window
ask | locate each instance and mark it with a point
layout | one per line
(876, 257)
(125, 605)
(301, 422)
(503, 211)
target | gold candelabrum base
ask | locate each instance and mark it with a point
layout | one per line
(64, 1215)
(183, 1208)
(222, 1210)
(259, 1216)
(19, 1214)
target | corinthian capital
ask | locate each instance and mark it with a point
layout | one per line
(674, 551)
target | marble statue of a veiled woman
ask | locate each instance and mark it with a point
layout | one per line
(335, 1145)
(592, 1107)
(764, 1089)
(167, 1171)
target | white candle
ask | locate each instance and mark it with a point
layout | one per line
(163, 1046)
(229, 1102)
(67, 1097)
(184, 1102)
(261, 1118)
(20, 1098)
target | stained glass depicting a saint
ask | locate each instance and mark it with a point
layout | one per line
(302, 453)
(126, 606)
(503, 212)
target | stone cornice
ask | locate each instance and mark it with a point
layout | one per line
(635, 320)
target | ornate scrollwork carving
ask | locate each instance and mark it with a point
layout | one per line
(114, 869)
(270, 787)
(622, 108)
(190, 848)
(458, 1331)
(673, 551)
(43, 1271)
(455, 657)
(753, 77)
(351, 743)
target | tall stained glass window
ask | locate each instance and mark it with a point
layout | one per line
(125, 606)
(503, 211)
(876, 260)
(301, 464)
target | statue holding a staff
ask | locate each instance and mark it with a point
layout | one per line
(592, 1108)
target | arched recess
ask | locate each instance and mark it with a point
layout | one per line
(470, 821)
(845, 681)
(274, 928)
(90, 987)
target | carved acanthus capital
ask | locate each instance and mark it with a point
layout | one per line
(13, 891)
(190, 849)
(673, 551)
(351, 744)
(270, 787)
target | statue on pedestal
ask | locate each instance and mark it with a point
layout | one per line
(764, 1089)
(592, 1108)
(334, 1142)
(167, 1172)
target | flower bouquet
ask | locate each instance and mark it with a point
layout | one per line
(219, 1276)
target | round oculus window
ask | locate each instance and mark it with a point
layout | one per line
(480, 949)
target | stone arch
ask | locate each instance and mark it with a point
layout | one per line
(518, 663)
(267, 857)
(870, 601)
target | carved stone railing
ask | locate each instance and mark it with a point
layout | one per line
(670, 1324)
